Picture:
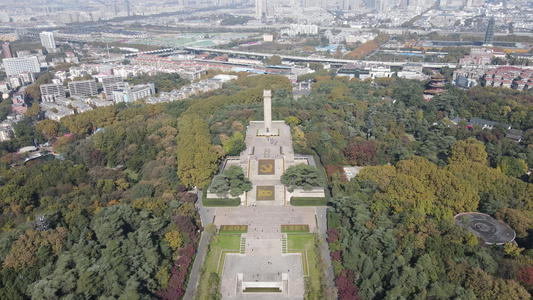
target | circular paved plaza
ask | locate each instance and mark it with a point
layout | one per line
(485, 227)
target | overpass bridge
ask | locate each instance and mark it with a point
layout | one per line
(317, 59)
(158, 52)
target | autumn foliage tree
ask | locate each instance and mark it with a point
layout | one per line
(345, 285)
(525, 276)
(468, 150)
(368, 47)
(197, 157)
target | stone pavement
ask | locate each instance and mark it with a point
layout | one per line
(268, 219)
(263, 262)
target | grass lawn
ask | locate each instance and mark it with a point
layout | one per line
(306, 242)
(132, 175)
(228, 243)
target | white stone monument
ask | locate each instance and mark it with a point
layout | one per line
(267, 129)
(267, 95)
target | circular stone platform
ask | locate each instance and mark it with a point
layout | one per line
(485, 227)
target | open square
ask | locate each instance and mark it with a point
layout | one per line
(266, 193)
(266, 167)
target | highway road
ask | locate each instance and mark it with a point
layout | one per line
(317, 59)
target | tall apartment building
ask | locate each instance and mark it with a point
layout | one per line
(82, 88)
(47, 40)
(133, 94)
(352, 4)
(489, 34)
(49, 92)
(142, 91)
(260, 9)
(4, 17)
(111, 88)
(111, 83)
(6, 47)
(15, 66)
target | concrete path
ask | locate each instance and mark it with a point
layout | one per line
(321, 216)
(206, 215)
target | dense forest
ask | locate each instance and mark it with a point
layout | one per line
(392, 232)
(112, 216)
(84, 228)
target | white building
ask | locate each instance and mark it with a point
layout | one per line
(268, 37)
(49, 92)
(297, 29)
(5, 134)
(4, 87)
(112, 83)
(14, 82)
(377, 71)
(15, 66)
(98, 102)
(55, 112)
(260, 9)
(128, 94)
(82, 88)
(47, 40)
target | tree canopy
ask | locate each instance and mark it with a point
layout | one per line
(197, 157)
(301, 175)
(231, 180)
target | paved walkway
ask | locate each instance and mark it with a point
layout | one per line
(263, 261)
(321, 216)
(206, 214)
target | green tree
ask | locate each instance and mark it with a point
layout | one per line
(231, 180)
(315, 65)
(274, 60)
(301, 175)
(33, 90)
(235, 144)
(47, 127)
(512, 166)
(197, 157)
(468, 150)
(214, 284)
(34, 110)
(174, 239)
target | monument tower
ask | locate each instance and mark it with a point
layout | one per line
(267, 95)
(268, 154)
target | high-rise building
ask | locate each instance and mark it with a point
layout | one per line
(6, 47)
(379, 6)
(132, 94)
(112, 83)
(260, 9)
(489, 34)
(15, 66)
(111, 79)
(128, 7)
(4, 17)
(83, 88)
(47, 40)
(49, 92)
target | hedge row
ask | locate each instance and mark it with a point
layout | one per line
(309, 201)
(212, 202)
